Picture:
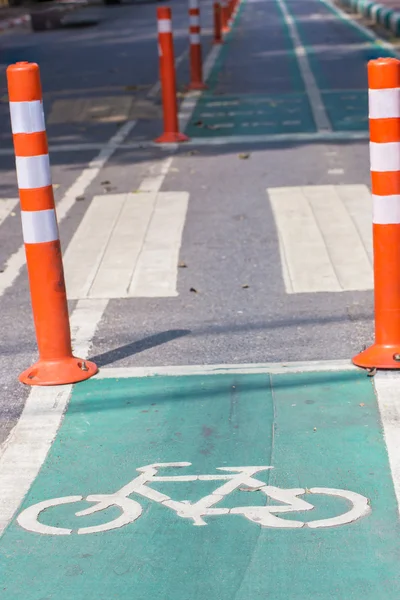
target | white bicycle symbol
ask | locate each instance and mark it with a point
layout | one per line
(240, 478)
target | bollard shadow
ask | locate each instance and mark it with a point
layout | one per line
(107, 358)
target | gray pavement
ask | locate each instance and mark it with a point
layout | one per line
(230, 238)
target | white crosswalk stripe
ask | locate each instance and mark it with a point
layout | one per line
(127, 245)
(325, 237)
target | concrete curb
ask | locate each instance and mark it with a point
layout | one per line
(378, 13)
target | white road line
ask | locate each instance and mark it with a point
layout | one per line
(323, 242)
(328, 136)
(85, 251)
(27, 446)
(7, 205)
(156, 271)
(387, 392)
(85, 147)
(335, 171)
(320, 48)
(130, 244)
(317, 106)
(305, 254)
(221, 369)
(155, 178)
(17, 260)
(123, 245)
(358, 202)
(84, 321)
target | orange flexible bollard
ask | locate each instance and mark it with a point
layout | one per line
(56, 364)
(217, 23)
(231, 9)
(168, 79)
(196, 60)
(224, 18)
(384, 123)
(228, 12)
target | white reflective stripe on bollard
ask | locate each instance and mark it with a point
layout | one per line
(386, 210)
(384, 104)
(39, 226)
(385, 157)
(33, 171)
(194, 20)
(164, 26)
(27, 117)
(194, 39)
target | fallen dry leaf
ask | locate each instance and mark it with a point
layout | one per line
(182, 265)
(244, 156)
(245, 286)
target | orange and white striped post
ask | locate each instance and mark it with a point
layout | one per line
(384, 123)
(56, 364)
(196, 60)
(168, 79)
(217, 23)
(225, 18)
(232, 10)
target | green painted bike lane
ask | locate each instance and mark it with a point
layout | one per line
(338, 53)
(257, 88)
(187, 529)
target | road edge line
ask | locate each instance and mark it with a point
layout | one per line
(387, 385)
(26, 448)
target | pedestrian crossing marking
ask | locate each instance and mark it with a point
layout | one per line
(127, 245)
(325, 237)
